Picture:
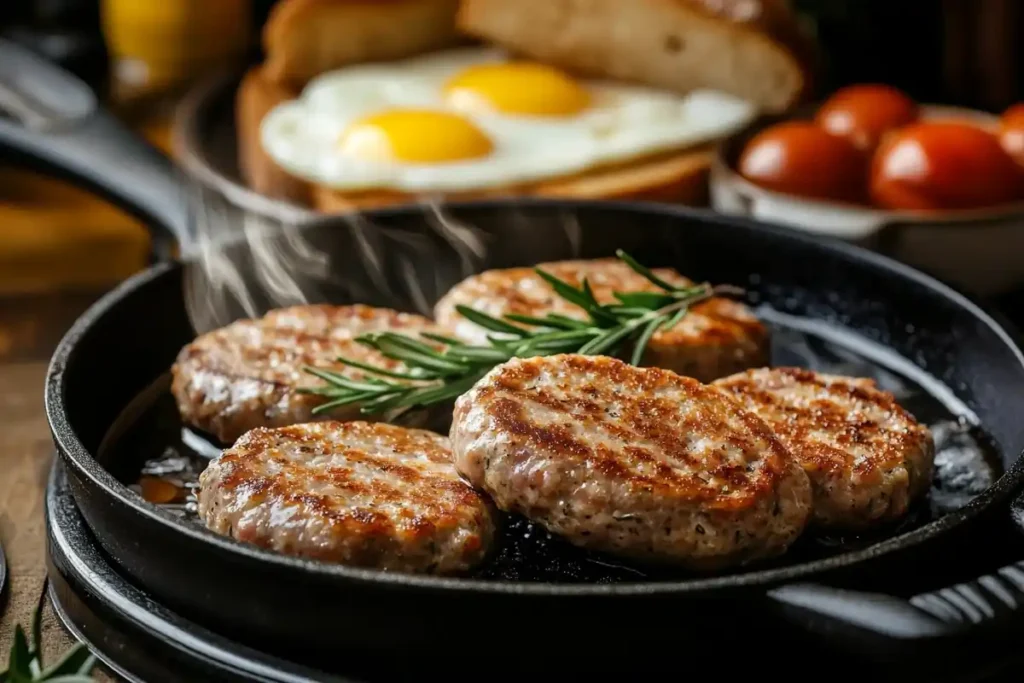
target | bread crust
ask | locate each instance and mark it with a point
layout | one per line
(305, 38)
(256, 96)
(672, 44)
(679, 177)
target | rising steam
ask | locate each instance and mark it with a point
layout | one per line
(241, 264)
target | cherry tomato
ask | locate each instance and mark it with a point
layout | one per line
(799, 158)
(1011, 131)
(937, 165)
(865, 113)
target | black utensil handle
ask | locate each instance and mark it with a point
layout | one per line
(56, 125)
(995, 599)
(982, 607)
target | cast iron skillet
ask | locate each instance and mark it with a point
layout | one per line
(3, 575)
(127, 340)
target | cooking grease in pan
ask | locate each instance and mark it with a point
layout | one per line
(162, 462)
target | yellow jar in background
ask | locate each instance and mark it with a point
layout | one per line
(157, 46)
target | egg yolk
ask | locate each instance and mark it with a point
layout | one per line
(414, 136)
(516, 88)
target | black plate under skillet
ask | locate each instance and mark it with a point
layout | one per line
(129, 632)
(141, 640)
(265, 597)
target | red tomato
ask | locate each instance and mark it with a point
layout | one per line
(1011, 131)
(865, 113)
(799, 158)
(943, 165)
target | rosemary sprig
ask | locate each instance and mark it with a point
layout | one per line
(26, 660)
(434, 375)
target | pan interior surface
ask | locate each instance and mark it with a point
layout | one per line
(149, 447)
(831, 306)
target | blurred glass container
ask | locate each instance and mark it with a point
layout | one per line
(140, 56)
(159, 47)
(61, 247)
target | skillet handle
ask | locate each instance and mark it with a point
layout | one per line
(983, 609)
(994, 600)
(55, 125)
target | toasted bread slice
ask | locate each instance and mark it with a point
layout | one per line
(751, 49)
(679, 177)
(305, 38)
(256, 96)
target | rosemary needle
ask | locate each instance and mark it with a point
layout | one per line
(26, 657)
(449, 368)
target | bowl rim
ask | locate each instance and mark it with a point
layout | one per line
(724, 173)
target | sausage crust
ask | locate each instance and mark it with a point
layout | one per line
(640, 462)
(867, 457)
(358, 493)
(246, 375)
(715, 338)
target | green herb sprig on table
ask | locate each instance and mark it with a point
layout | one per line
(26, 659)
(435, 375)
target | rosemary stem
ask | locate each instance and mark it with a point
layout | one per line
(431, 375)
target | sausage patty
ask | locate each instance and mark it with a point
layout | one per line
(641, 462)
(867, 457)
(358, 493)
(716, 338)
(245, 375)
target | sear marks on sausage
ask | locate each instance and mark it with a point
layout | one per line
(716, 338)
(364, 494)
(867, 457)
(641, 462)
(245, 375)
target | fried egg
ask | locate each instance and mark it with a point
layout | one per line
(474, 118)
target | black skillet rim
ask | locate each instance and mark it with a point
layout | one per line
(76, 565)
(76, 454)
(3, 577)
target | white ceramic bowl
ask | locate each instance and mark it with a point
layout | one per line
(981, 251)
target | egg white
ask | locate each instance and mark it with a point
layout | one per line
(624, 122)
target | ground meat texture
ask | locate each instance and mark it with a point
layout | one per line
(357, 493)
(716, 338)
(867, 457)
(245, 375)
(639, 462)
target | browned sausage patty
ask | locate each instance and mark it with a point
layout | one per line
(245, 375)
(636, 461)
(867, 457)
(357, 493)
(716, 338)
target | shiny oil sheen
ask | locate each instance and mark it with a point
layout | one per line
(149, 441)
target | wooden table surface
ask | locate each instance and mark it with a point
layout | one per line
(54, 238)
(30, 327)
